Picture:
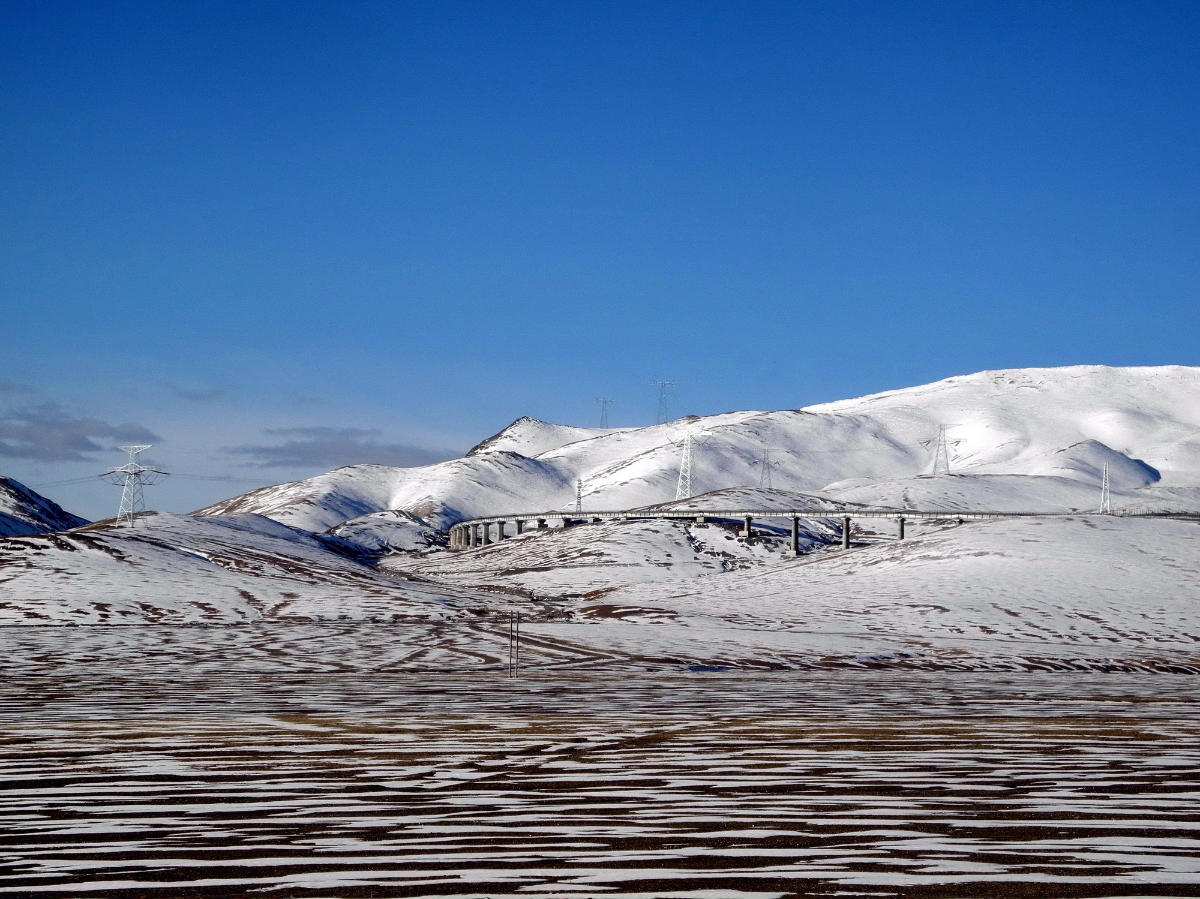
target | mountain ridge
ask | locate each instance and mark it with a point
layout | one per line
(1044, 434)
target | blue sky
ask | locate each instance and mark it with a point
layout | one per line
(271, 238)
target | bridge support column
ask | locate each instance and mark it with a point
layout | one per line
(520, 526)
(794, 540)
(500, 535)
(845, 533)
(566, 523)
(541, 524)
(487, 533)
(700, 519)
(747, 526)
(596, 520)
(456, 536)
(901, 527)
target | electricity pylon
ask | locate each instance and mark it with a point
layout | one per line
(604, 402)
(941, 451)
(664, 387)
(764, 472)
(683, 487)
(1105, 493)
(132, 476)
(579, 494)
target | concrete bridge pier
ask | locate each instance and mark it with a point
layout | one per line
(794, 539)
(845, 533)
(487, 533)
(520, 526)
(747, 527)
(901, 536)
(500, 535)
(541, 524)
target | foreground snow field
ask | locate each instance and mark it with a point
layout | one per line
(154, 781)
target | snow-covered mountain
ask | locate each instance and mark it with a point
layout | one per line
(1018, 440)
(22, 511)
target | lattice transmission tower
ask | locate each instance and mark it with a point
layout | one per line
(941, 450)
(1105, 493)
(664, 388)
(764, 471)
(604, 402)
(683, 487)
(132, 477)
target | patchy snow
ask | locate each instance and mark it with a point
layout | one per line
(147, 779)
(177, 569)
(592, 559)
(391, 532)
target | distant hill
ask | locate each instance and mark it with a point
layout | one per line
(1019, 440)
(23, 511)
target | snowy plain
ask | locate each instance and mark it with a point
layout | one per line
(302, 692)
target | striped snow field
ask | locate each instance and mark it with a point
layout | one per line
(155, 781)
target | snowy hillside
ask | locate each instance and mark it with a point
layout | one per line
(1089, 592)
(555, 564)
(22, 511)
(531, 437)
(1029, 439)
(179, 569)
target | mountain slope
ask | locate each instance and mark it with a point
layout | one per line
(1048, 431)
(184, 569)
(22, 511)
(1088, 592)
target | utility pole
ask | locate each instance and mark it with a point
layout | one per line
(132, 476)
(514, 644)
(579, 494)
(664, 387)
(1105, 493)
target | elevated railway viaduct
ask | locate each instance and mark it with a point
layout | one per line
(475, 532)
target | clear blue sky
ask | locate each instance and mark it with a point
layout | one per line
(271, 238)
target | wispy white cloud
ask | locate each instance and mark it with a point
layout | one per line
(331, 446)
